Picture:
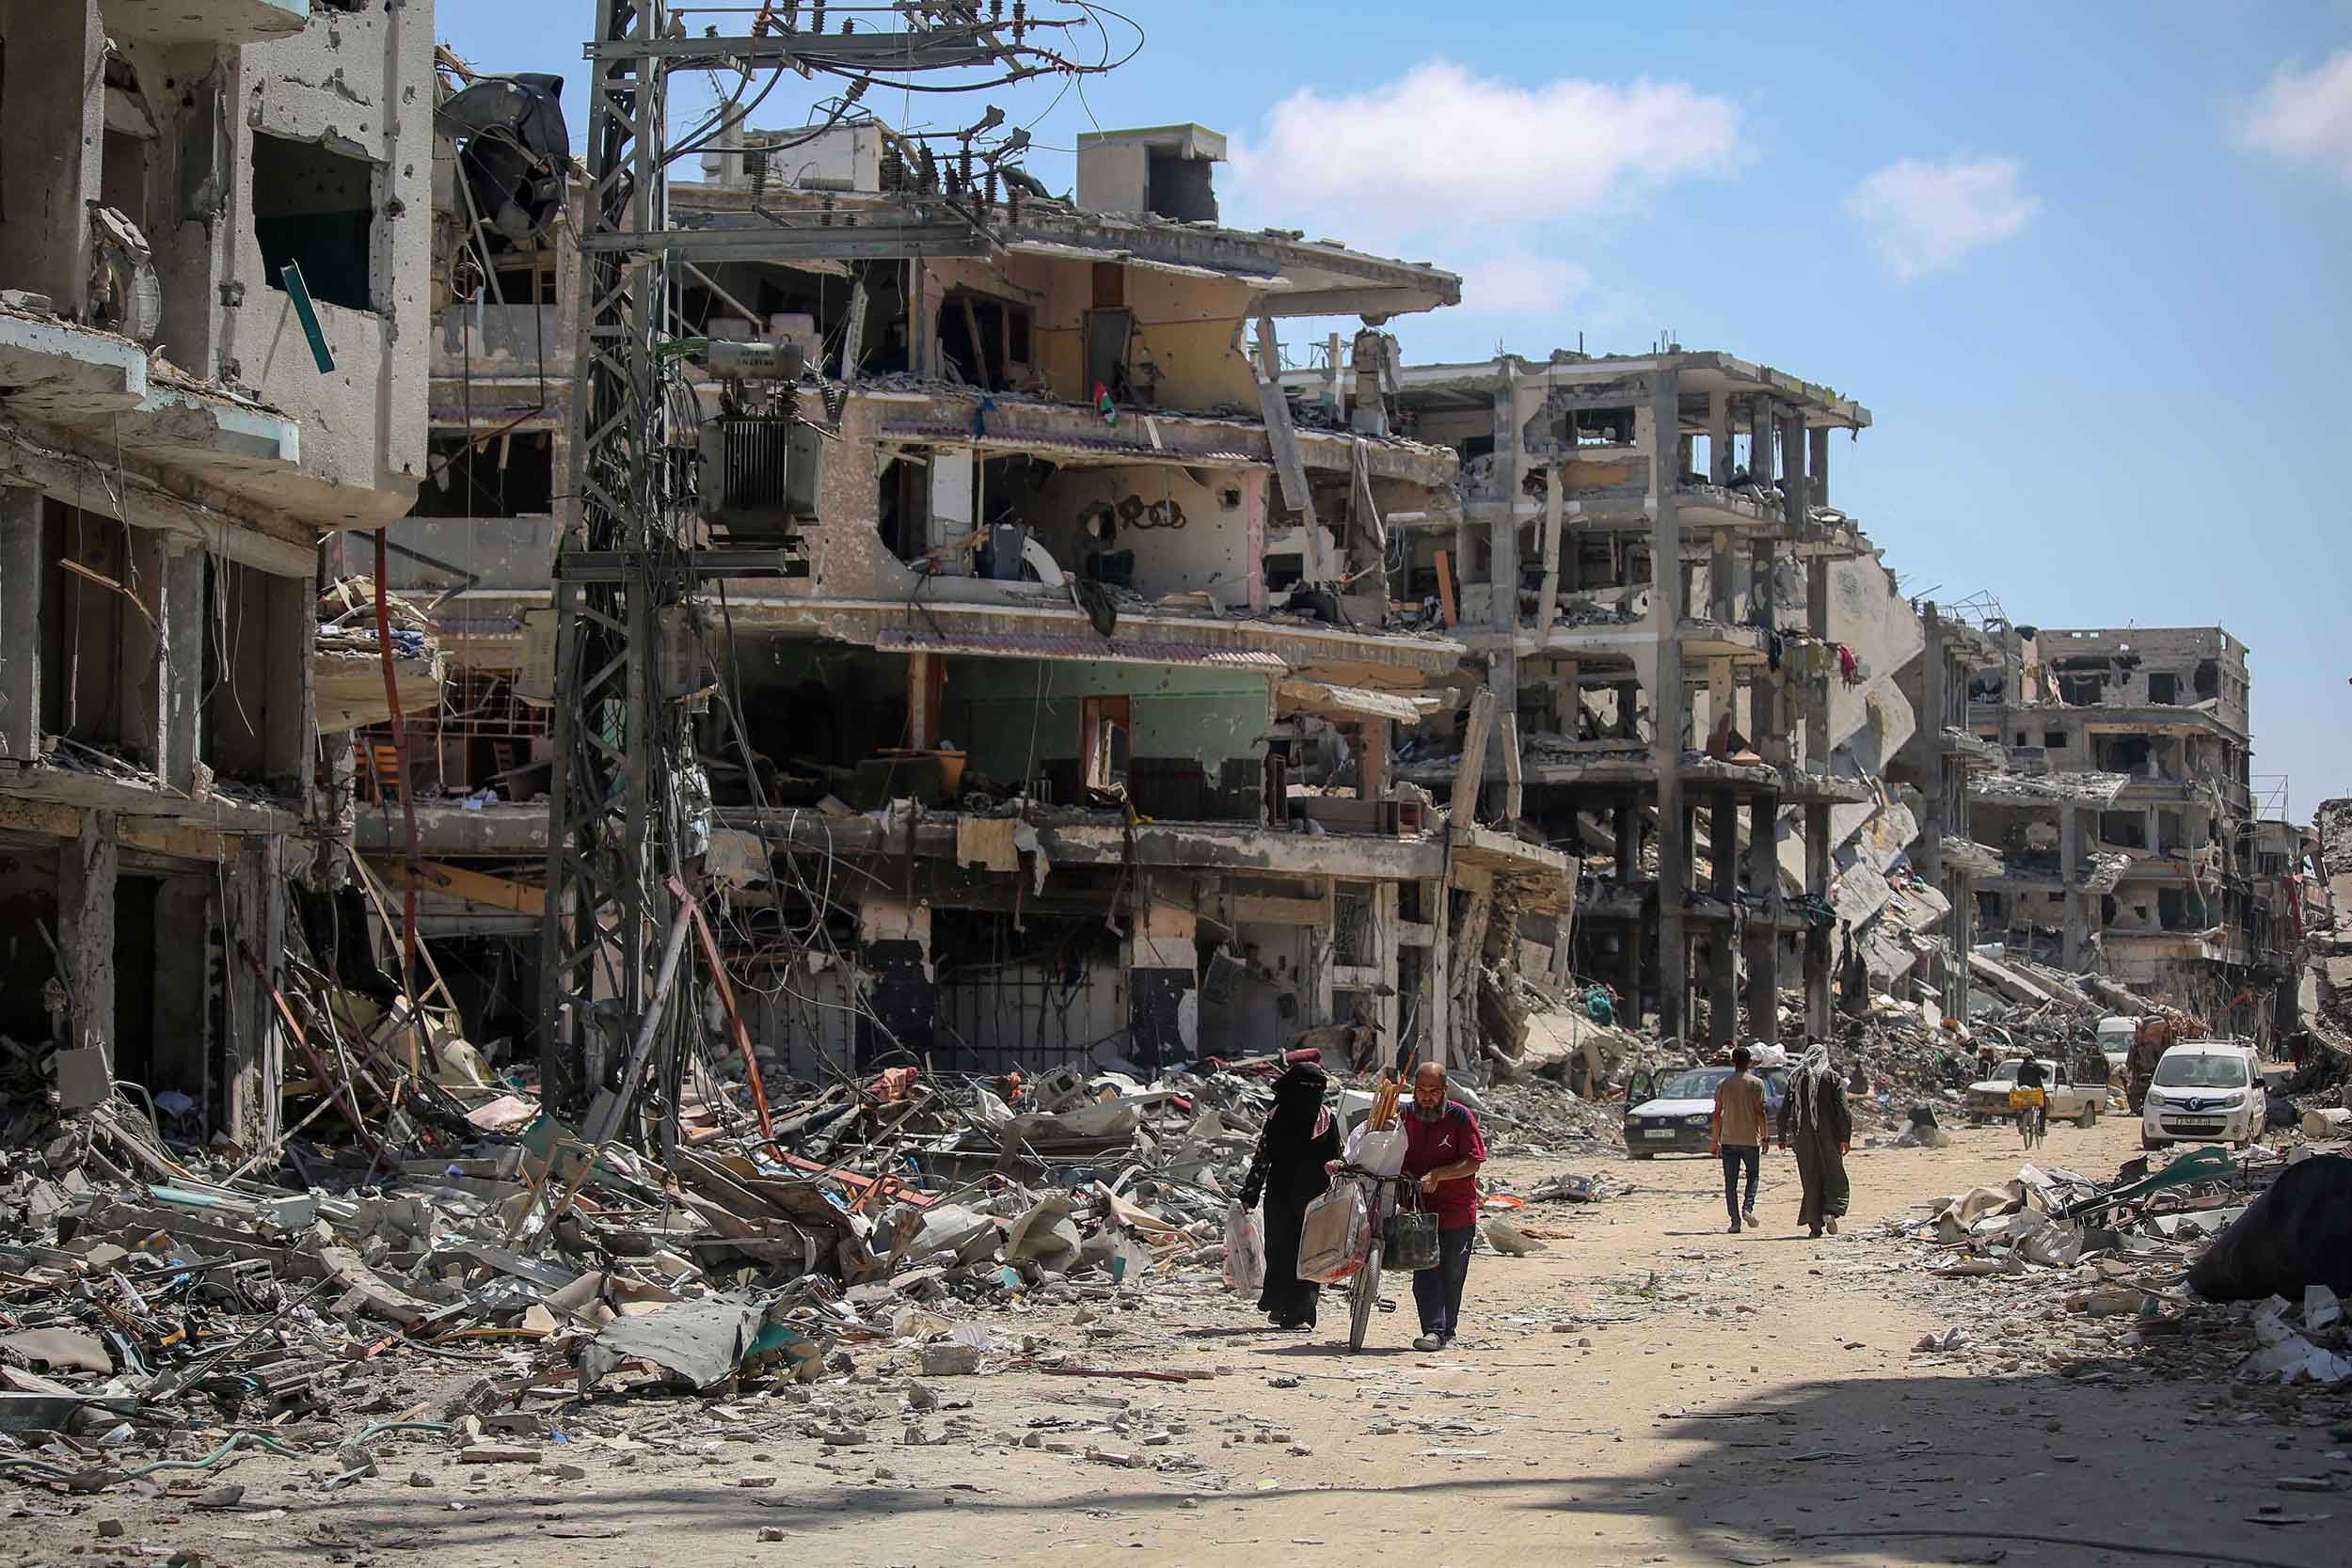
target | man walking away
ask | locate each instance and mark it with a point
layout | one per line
(1817, 1124)
(1444, 1148)
(1739, 1133)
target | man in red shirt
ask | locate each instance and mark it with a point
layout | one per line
(1443, 1149)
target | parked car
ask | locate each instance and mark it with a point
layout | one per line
(2208, 1091)
(1672, 1113)
(2063, 1100)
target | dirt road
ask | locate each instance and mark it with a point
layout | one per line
(1647, 1390)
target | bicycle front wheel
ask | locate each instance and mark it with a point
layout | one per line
(1363, 1298)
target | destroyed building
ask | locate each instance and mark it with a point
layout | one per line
(1073, 737)
(2124, 811)
(212, 354)
(1679, 723)
(1940, 764)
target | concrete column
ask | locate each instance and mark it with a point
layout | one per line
(1667, 699)
(1722, 811)
(1436, 904)
(1502, 665)
(52, 121)
(21, 576)
(1628, 702)
(86, 930)
(1816, 938)
(1373, 773)
(1964, 926)
(1510, 470)
(1797, 494)
(902, 997)
(1718, 437)
(1636, 960)
(1763, 944)
(1817, 691)
(2072, 924)
(146, 670)
(1163, 999)
(253, 924)
(1760, 440)
(181, 610)
(290, 721)
(1722, 581)
(1723, 967)
(1817, 466)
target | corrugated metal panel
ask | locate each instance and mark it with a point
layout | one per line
(992, 644)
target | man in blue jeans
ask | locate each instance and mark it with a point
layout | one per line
(1738, 1135)
(1443, 1149)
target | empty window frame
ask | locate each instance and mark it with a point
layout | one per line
(314, 208)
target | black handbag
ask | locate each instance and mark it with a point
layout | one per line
(1410, 1240)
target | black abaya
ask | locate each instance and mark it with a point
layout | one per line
(1300, 1137)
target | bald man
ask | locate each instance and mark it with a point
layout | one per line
(1443, 1149)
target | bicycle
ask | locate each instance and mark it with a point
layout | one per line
(1364, 1285)
(2032, 1115)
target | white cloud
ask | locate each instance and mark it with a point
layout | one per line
(1442, 153)
(1519, 282)
(2302, 116)
(1925, 217)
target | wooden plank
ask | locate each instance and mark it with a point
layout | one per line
(1445, 589)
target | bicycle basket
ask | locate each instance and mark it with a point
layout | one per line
(2020, 1099)
(1411, 1242)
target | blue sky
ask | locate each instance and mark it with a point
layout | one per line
(2090, 266)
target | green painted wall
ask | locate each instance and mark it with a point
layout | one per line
(1179, 711)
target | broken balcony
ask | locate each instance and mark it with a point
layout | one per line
(227, 23)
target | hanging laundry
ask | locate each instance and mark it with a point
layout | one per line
(1848, 667)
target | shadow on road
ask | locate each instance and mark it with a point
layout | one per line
(1897, 1470)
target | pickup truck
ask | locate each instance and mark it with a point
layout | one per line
(2064, 1100)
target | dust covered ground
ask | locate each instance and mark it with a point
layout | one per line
(1648, 1389)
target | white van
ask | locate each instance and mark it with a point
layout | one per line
(2116, 1034)
(2206, 1091)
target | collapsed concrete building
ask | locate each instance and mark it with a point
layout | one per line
(211, 336)
(2124, 811)
(1075, 737)
(1643, 701)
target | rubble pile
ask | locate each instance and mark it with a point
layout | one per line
(431, 1264)
(2209, 1266)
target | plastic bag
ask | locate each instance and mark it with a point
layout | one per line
(1336, 1236)
(1381, 1153)
(1245, 1250)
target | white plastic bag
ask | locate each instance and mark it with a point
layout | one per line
(1245, 1250)
(1381, 1153)
(1336, 1236)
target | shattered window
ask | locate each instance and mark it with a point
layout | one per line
(315, 208)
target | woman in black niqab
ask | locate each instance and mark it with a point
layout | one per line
(1300, 1137)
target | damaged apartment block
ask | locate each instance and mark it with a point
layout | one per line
(2125, 811)
(1640, 554)
(1067, 732)
(211, 354)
